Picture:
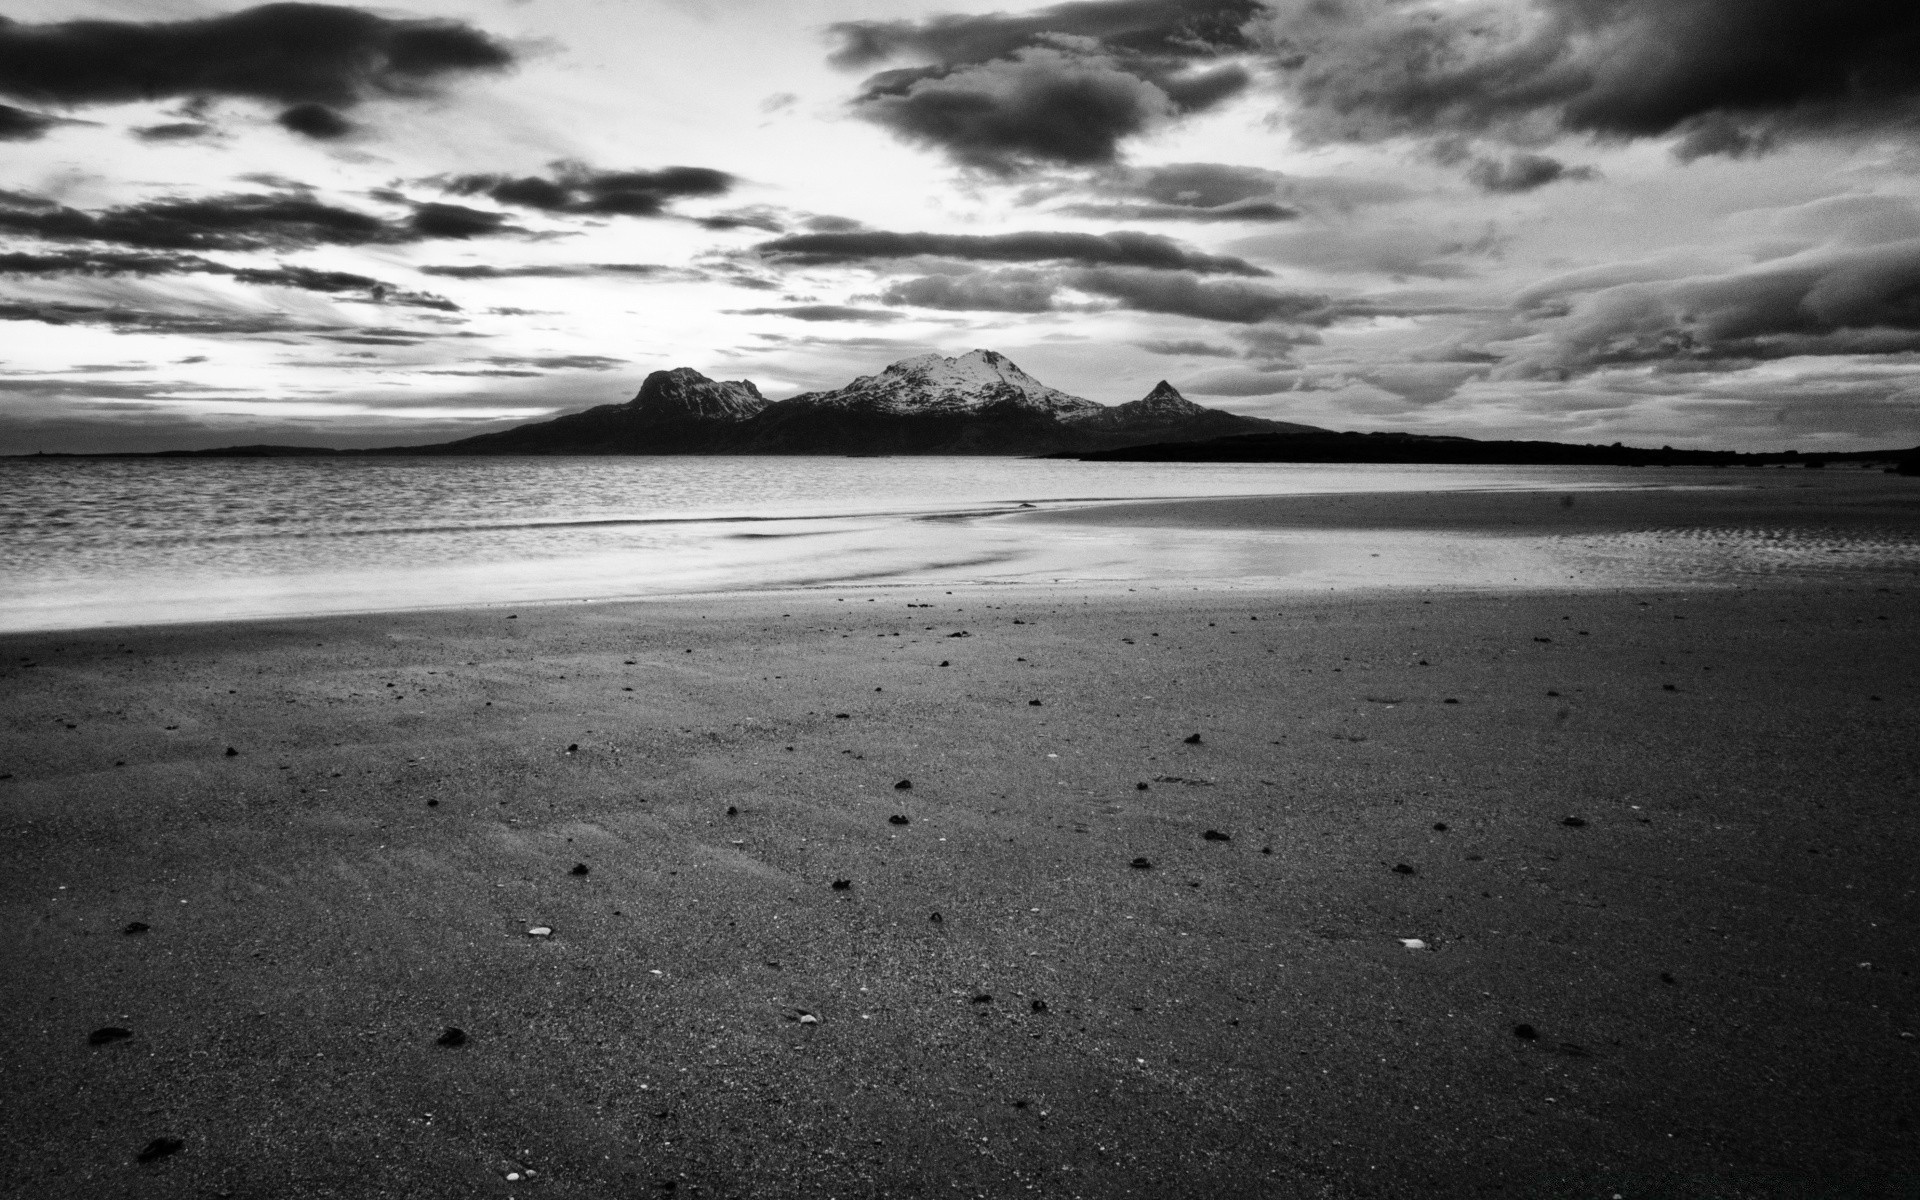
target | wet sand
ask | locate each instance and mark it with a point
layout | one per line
(1715, 956)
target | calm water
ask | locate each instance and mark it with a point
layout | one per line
(98, 542)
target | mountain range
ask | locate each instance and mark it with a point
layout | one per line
(978, 403)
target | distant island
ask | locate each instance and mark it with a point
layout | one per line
(981, 403)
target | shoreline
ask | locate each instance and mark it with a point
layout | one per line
(1313, 540)
(1240, 1018)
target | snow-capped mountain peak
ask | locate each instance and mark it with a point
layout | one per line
(930, 384)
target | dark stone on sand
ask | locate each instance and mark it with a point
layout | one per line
(1033, 703)
(1525, 1033)
(1543, 639)
(433, 804)
(451, 1037)
(578, 869)
(1139, 787)
(1038, 1006)
(1449, 700)
(905, 785)
(108, 1034)
(232, 753)
(733, 810)
(572, 747)
(1266, 849)
(945, 663)
(159, 1148)
(1574, 822)
(1141, 864)
(1214, 835)
(134, 927)
(1402, 869)
(843, 716)
(896, 819)
(1667, 978)
(982, 998)
(1553, 693)
(1668, 687)
(962, 633)
(1193, 739)
(1439, 826)
(841, 885)
(935, 918)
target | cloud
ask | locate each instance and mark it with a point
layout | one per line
(1172, 29)
(1843, 299)
(20, 125)
(95, 263)
(1202, 191)
(1121, 248)
(433, 220)
(1006, 93)
(1719, 76)
(1190, 348)
(992, 291)
(1182, 293)
(1177, 293)
(1522, 173)
(558, 271)
(561, 362)
(822, 312)
(1396, 249)
(177, 131)
(577, 188)
(236, 222)
(316, 121)
(289, 54)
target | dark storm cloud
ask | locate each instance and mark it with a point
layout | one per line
(240, 222)
(287, 54)
(213, 223)
(576, 188)
(20, 125)
(1061, 85)
(316, 121)
(116, 263)
(1105, 249)
(1722, 76)
(822, 312)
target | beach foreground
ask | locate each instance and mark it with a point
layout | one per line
(1656, 847)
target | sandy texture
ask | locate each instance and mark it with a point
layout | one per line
(1849, 501)
(1716, 956)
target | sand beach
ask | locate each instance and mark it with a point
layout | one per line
(1458, 892)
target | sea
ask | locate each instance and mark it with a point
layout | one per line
(107, 542)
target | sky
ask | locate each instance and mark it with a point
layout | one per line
(1660, 222)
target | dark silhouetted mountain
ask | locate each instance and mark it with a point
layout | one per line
(978, 403)
(675, 412)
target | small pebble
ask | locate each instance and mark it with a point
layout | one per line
(1402, 869)
(841, 885)
(231, 753)
(540, 931)
(108, 1034)
(1525, 1033)
(451, 1037)
(578, 869)
(1574, 822)
(134, 927)
(1141, 864)
(1214, 835)
(159, 1148)
(1193, 740)
(1033, 704)
(903, 786)
(896, 819)
(1439, 826)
